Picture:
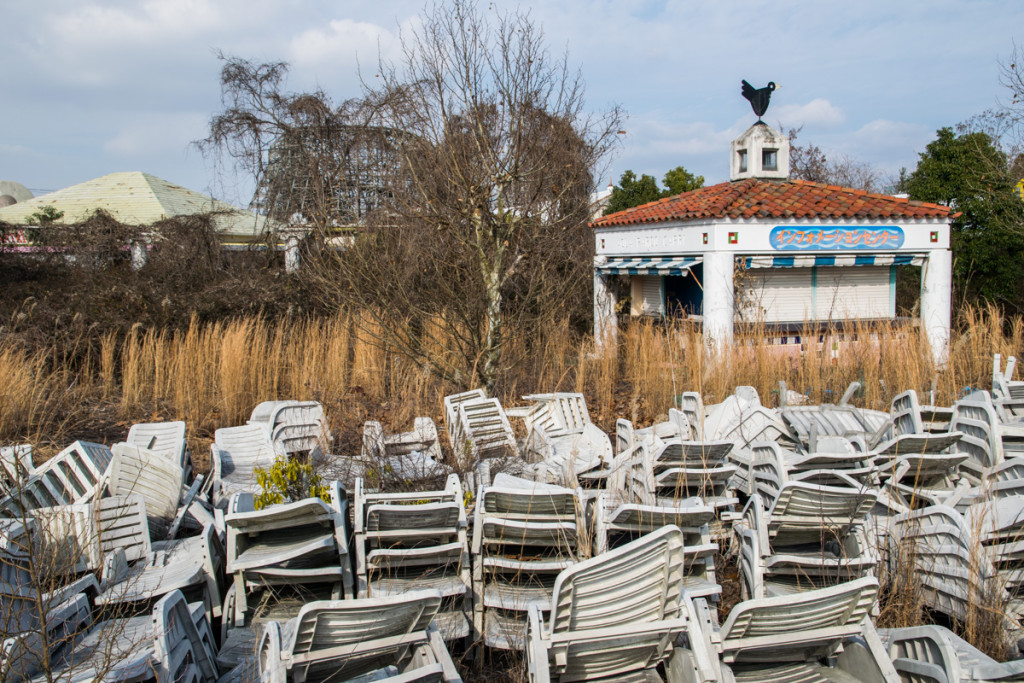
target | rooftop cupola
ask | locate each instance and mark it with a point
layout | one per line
(761, 152)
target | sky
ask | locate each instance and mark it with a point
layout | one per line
(92, 87)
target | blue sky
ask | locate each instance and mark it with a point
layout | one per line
(93, 87)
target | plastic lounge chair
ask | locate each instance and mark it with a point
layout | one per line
(524, 534)
(388, 638)
(613, 615)
(172, 643)
(416, 540)
(165, 438)
(742, 419)
(153, 476)
(820, 635)
(72, 476)
(294, 426)
(938, 647)
(422, 439)
(478, 427)
(236, 454)
(67, 607)
(808, 536)
(305, 542)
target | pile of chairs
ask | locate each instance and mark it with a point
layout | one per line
(598, 559)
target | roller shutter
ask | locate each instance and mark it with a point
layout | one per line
(854, 293)
(777, 295)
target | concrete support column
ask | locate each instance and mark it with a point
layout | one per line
(606, 323)
(140, 253)
(936, 301)
(291, 254)
(719, 299)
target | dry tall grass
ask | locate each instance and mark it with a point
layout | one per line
(211, 375)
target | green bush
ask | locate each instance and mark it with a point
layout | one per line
(289, 480)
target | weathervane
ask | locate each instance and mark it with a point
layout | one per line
(758, 97)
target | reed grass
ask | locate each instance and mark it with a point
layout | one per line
(212, 374)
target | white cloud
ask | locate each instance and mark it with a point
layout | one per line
(339, 43)
(149, 134)
(161, 21)
(818, 112)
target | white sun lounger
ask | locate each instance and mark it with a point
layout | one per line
(422, 439)
(391, 638)
(416, 540)
(172, 643)
(152, 475)
(788, 639)
(165, 438)
(478, 427)
(74, 475)
(305, 542)
(934, 653)
(236, 454)
(613, 615)
(524, 534)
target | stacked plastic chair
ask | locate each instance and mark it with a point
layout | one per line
(820, 635)
(295, 427)
(288, 544)
(370, 639)
(416, 540)
(478, 427)
(524, 534)
(72, 476)
(615, 615)
(565, 445)
(796, 536)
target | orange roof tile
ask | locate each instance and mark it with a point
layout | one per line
(753, 198)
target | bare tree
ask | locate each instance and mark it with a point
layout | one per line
(809, 162)
(462, 177)
(484, 235)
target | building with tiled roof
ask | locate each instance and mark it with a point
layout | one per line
(810, 253)
(136, 198)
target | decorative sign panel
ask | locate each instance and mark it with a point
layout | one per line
(812, 238)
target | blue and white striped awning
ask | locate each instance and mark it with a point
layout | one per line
(806, 261)
(649, 266)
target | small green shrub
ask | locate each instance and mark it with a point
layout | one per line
(289, 480)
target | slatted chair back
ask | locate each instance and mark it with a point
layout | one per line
(624, 435)
(484, 430)
(922, 654)
(15, 466)
(512, 499)
(691, 404)
(72, 476)
(155, 477)
(165, 438)
(768, 473)
(452, 421)
(121, 524)
(180, 653)
(640, 581)
(802, 508)
(636, 589)
(558, 413)
(238, 452)
(361, 627)
(905, 413)
(800, 627)
(975, 416)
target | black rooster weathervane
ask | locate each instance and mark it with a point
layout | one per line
(758, 97)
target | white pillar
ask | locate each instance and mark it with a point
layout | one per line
(719, 299)
(606, 323)
(291, 254)
(936, 298)
(139, 253)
